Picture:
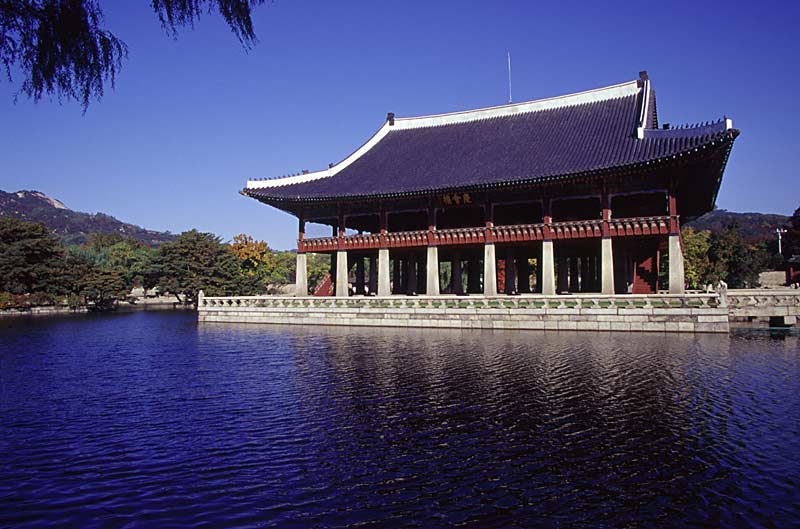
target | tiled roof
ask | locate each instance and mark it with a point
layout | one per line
(581, 133)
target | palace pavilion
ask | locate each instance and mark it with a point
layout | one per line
(584, 192)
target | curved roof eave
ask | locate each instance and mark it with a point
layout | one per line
(725, 138)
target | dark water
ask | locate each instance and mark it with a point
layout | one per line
(147, 420)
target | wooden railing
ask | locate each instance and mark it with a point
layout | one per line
(577, 229)
(638, 226)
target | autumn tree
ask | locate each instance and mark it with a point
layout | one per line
(255, 258)
(62, 48)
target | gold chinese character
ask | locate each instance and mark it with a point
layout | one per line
(456, 198)
(446, 199)
(467, 198)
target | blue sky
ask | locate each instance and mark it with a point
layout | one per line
(191, 119)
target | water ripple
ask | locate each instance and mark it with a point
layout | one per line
(147, 420)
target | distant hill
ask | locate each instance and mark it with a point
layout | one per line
(755, 227)
(72, 227)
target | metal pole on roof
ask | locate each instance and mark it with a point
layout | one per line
(508, 52)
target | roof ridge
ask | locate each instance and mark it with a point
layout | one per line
(594, 95)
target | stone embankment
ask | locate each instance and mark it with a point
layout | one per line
(42, 311)
(149, 304)
(658, 313)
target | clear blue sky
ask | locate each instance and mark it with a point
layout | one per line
(190, 120)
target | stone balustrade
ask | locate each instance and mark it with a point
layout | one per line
(661, 313)
(764, 303)
(525, 301)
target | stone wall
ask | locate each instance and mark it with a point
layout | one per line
(42, 311)
(563, 314)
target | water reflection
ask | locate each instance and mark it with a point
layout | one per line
(237, 425)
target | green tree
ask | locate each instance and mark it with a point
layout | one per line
(319, 265)
(92, 284)
(283, 273)
(697, 266)
(791, 239)
(733, 260)
(30, 258)
(127, 257)
(62, 49)
(199, 261)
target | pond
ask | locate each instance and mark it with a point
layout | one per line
(151, 420)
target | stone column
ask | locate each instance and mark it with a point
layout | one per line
(457, 276)
(373, 275)
(384, 286)
(301, 276)
(677, 281)
(342, 272)
(489, 270)
(432, 283)
(606, 266)
(411, 272)
(548, 269)
(360, 276)
(511, 276)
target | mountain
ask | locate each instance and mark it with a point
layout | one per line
(755, 227)
(72, 227)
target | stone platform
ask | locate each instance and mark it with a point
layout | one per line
(656, 313)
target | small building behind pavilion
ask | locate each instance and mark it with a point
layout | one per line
(579, 193)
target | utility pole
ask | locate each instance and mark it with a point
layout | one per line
(780, 231)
